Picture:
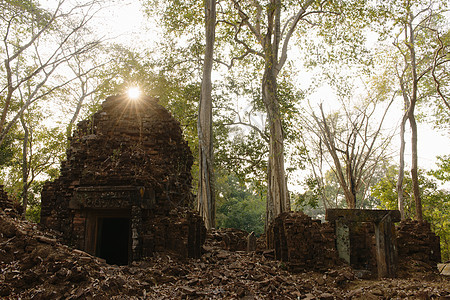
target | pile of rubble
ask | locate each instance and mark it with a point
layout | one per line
(229, 239)
(35, 265)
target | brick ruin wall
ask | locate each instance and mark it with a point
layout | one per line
(306, 244)
(180, 232)
(128, 156)
(416, 241)
(303, 243)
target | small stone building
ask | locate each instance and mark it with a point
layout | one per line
(125, 188)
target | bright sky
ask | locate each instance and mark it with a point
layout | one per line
(120, 21)
(126, 23)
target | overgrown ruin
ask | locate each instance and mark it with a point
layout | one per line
(367, 240)
(125, 188)
(36, 263)
(124, 193)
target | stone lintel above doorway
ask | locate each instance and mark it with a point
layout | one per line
(361, 215)
(92, 197)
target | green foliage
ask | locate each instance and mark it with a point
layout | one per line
(239, 206)
(430, 32)
(323, 191)
(33, 212)
(318, 195)
(25, 12)
(245, 155)
(385, 191)
(311, 197)
(177, 16)
(45, 151)
(443, 173)
(7, 151)
(436, 203)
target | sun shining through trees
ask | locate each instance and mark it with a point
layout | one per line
(134, 93)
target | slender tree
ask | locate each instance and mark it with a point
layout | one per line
(441, 76)
(415, 27)
(37, 42)
(265, 30)
(25, 164)
(206, 200)
(354, 146)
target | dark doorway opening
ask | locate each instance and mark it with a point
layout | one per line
(113, 240)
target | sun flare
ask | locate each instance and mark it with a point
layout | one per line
(134, 93)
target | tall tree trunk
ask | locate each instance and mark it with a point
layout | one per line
(7, 100)
(24, 166)
(206, 197)
(414, 168)
(412, 122)
(277, 193)
(351, 195)
(401, 169)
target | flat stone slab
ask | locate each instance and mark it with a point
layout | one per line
(361, 215)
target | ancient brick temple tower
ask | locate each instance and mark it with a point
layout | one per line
(125, 189)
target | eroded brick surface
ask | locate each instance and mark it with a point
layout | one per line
(416, 241)
(303, 243)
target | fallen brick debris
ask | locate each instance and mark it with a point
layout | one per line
(34, 264)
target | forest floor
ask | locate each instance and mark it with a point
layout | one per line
(34, 265)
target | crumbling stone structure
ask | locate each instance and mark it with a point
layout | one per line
(125, 189)
(303, 243)
(352, 227)
(417, 241)
(230, 239)
(367, 240)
